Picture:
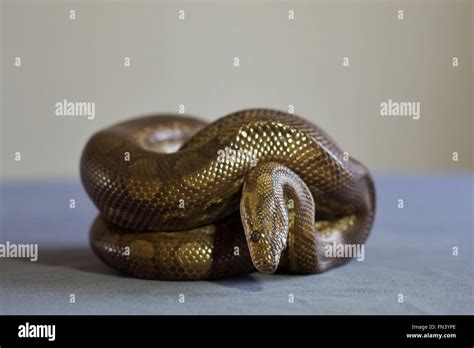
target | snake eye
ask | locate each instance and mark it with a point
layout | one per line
(255, 237)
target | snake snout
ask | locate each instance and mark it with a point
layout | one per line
(268, 268)
(265, 263)
(264, 256)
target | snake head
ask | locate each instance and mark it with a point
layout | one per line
(265, 221)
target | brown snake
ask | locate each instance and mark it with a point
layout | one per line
(168, 214)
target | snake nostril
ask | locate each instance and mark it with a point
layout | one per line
(255, 236)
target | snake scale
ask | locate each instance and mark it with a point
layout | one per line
(180, 199)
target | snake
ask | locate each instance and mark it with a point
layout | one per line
(256, 190)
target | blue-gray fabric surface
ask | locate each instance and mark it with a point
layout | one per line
(409, 252)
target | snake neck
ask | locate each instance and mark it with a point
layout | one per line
(277, 209)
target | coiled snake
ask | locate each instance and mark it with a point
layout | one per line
(256, 189)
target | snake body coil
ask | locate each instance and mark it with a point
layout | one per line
(168, 214)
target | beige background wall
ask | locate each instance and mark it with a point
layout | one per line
(282, 62)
